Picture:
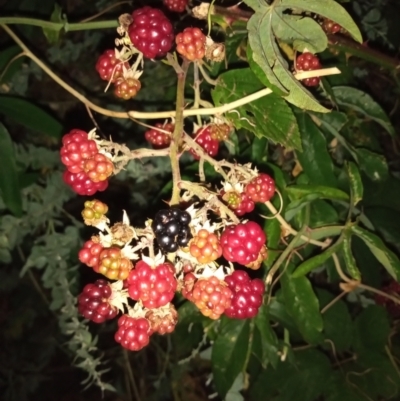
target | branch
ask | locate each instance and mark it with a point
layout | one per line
(156, 115)
(57, 26)
(347, 45)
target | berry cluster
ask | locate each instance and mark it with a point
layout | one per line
(205, 247)
(155, 287)
(160, 139)
(109, 67)
(151, 32)
(171, 227)
(308, 62)
(243, 197)
(247, 295)
(212, 296)
(115, 71)
(242, 243)
(133, 333)
(191, 44)
(87, 169)
(93, 302)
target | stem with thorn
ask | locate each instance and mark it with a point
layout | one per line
(176, 138)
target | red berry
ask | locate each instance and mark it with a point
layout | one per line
(89, 254)
(93, 302)
(162, 321)
(127, 88)
(154, 287)
(76, 149)
(82, 184)
(151, 32)
(247, 295)
(261, 188)
(159, 139)
(308, 62)
(242, 243)
(203, 138)
(191, 43)
(113, 265)
(211, 296)
(109, 67)
(178, 6)
(133, 333)
(205, 247)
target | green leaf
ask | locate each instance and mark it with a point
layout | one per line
(372, 328)
(338, 326)
(269, 341)
(356, 186)
(229, 353)
(322, 214)
(373, 164)
(303, 32)
(259, 150)
(363, 103)
(268, 117)
(385, 221)
(303, 306)
(351, 264)
(384, 255)
(382, 193)
(323, 192)
(315, 158)
(295, 207)
(9, 185)
(338, 388)
(329, 9)
(267, 55)
(316, 261)
(272, 228)
(259, 73)
(29, 115)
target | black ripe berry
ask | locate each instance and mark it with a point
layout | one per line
(171, 227)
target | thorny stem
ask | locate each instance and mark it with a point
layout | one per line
(192, 144)
(176, 138)
(150, 115)
(131, 377)
(196, 88)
